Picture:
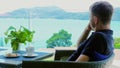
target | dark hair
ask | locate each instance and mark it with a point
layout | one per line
(103, 10)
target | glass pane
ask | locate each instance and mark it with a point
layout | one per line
(47, 17)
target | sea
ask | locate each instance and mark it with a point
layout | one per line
(45, 28)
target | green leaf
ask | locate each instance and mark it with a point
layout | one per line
(6, 40)
(11, 28)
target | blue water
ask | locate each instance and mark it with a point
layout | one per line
(44, 28)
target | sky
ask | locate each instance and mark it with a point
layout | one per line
(67, 5)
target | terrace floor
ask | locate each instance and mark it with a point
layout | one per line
(116, 62)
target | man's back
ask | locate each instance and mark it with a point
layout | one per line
(98, 46)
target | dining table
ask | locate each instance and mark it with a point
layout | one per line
(16, 62)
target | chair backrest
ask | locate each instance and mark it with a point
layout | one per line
(62, 55)
(62, 64)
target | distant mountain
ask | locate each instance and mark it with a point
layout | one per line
(116, 14)
(51, 12)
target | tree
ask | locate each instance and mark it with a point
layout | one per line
(117, 43)
(62, 38)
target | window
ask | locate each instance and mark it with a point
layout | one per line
(47, 17)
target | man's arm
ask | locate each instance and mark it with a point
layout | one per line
(84, 35)
(82, 58)
(81, 39)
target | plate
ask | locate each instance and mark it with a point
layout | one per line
(27, 56)
(11, 55)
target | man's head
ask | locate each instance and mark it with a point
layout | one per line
(101, 12)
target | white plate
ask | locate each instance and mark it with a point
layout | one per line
(27, 56)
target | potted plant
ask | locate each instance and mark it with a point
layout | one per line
(22, 35)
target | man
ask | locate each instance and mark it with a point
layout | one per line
(99, 45)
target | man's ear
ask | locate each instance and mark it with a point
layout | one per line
(95, 20)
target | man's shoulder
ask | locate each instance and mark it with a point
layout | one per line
(98, 35)
(103, 32)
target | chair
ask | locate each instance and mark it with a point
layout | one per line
(62, 55)
(64, 64)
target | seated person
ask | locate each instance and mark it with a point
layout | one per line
(99, 45)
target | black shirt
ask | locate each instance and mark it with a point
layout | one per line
(98, 46)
